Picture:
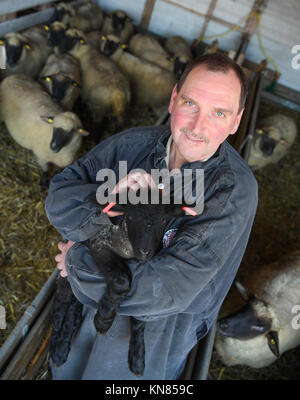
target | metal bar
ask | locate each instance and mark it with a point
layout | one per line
(254, 114)
(10, 6)
(203, 356)
(280, 101)
(19, 362)
(26, 21)
(21, 329)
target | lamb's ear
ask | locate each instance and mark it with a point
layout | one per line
(273, 342)
(47, 119)
(243, 292)
(82, 132)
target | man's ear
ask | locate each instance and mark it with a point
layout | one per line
(173, 96)
(237, 122)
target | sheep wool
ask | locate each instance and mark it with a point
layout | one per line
(25, 107)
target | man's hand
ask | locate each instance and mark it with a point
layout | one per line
(61, 258)
(133, 181)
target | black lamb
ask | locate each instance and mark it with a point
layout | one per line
(138, 236)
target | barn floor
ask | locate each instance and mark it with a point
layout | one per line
(28, 243)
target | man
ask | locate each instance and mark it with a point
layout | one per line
(179, 292)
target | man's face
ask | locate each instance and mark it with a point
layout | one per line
(204, 113)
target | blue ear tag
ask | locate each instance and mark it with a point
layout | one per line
(169, 236)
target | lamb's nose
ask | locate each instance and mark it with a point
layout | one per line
(144, 252)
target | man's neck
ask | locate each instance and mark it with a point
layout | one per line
(176, 160)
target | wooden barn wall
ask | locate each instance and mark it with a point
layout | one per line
(280, 26)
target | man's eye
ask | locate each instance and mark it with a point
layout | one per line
(220, 114)
(191, 103)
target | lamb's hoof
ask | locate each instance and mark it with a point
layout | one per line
(102, 325)
(44, 181)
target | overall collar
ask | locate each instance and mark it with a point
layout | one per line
(160, 154)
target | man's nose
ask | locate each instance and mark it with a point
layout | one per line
(200, 123)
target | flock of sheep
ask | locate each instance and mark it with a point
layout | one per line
(83, 53)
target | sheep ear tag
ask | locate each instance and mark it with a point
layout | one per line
(273, 343)
(243, 292)
(108, 207)
(47, 119)
(82, 132)
(190, 211)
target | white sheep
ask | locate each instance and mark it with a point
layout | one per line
(148, 48)
(176, 45)
(150, 84)
(61, 77)
(268, 324)
(273, 137)
(104, 88)
(39, 124)
(141, 42)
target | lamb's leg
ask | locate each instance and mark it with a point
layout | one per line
(66, 314)
(118, 278)
(136, 353)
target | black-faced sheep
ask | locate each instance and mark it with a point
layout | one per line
(273, 137)
(63, 12)
(149, 49)
(105, 89)
(61, 77)
(118, 23)
(258, 333)
(138, 236)
(25, 52)
(56, 31)
(150, 84)
(39, 124)
(181, 53)
(86, 17)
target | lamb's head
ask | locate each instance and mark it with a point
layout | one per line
(180, 63)
(62, 12)
(119, 18)
(16, 46)
(56, 33)
(74, 42)
(146, 221)
(110, 44)
(250, 335)
(275, 133)
(58, 84)
(66, 127)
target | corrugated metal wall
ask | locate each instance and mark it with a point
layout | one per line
(280, 26)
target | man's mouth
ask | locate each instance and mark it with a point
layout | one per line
(193, 138)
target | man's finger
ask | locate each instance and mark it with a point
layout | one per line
(61, 246)
(58, 257)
